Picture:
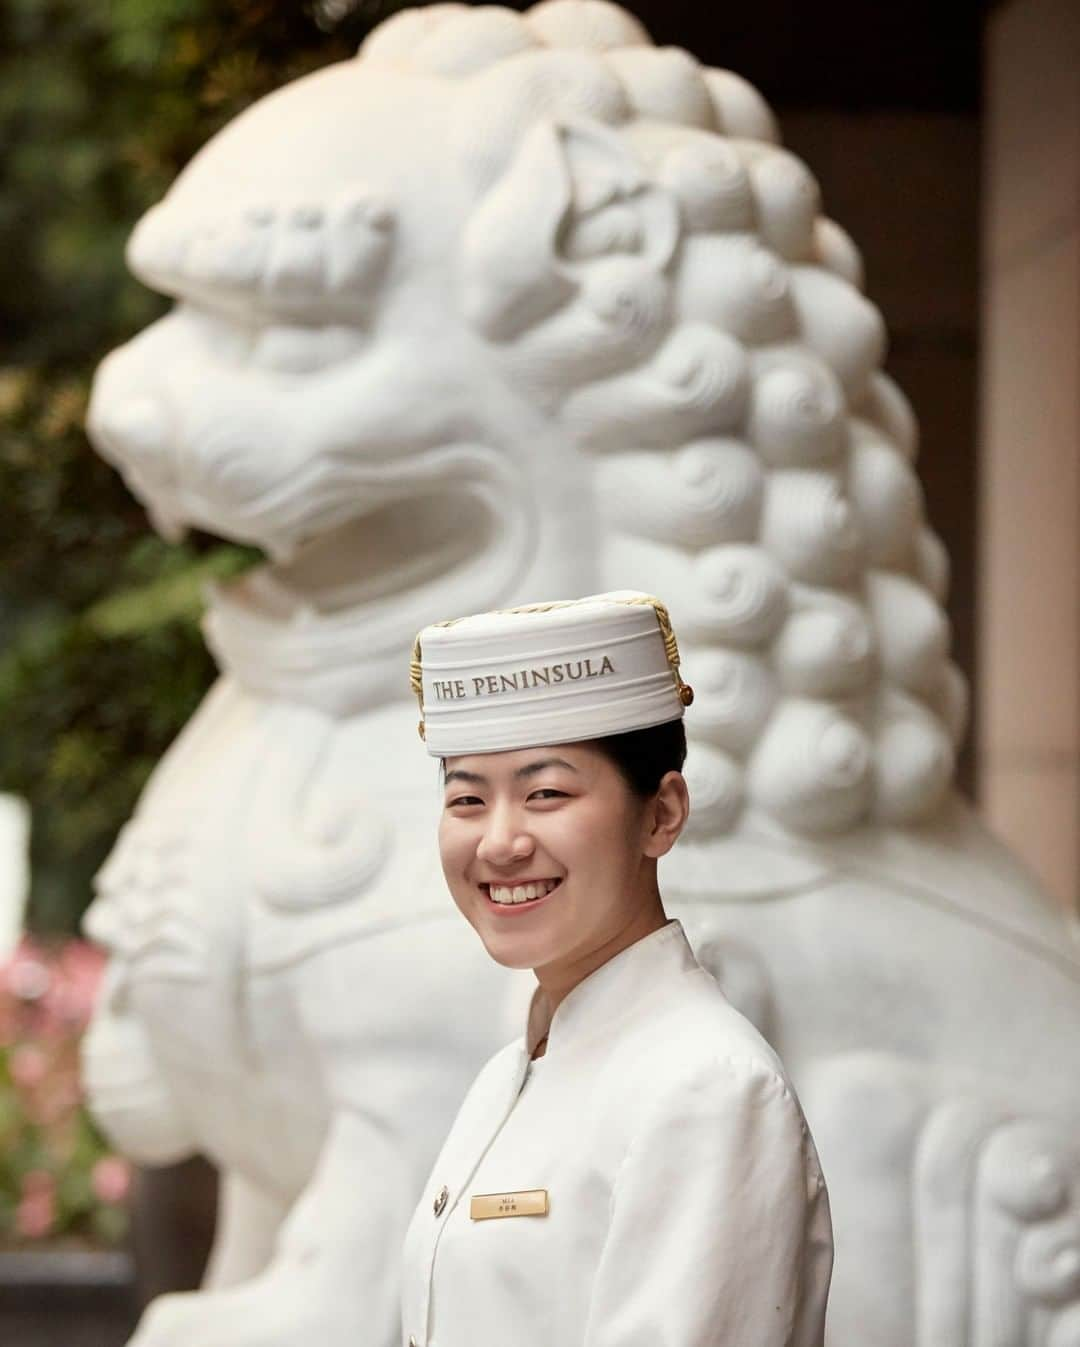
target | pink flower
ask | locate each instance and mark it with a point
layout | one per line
(78, 971)
(49, 989)
(111, 1179)
(28, 1066)
(37, 1181)
(55, 1102)
(35, 1214)
(26, 974)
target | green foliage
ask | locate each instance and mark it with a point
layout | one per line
(102, 102)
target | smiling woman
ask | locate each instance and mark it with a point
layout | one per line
(671, 1186)
(565, 835)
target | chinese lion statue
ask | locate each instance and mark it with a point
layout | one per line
(514, 306)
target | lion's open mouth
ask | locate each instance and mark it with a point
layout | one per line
(395, 548)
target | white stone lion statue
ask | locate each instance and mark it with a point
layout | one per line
(515, 306)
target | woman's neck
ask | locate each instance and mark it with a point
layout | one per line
(559, 978)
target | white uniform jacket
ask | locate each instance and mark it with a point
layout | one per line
(685, 1203)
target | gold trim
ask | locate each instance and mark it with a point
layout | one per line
(663, 619)
(501, 1206)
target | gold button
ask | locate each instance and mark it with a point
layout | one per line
(412, 1342)
(440, 1205)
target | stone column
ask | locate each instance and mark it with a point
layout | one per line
(1028, 695)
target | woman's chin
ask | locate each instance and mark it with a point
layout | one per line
(513, 947)
(511, 951)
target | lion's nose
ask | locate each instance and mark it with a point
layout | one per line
(134, 430)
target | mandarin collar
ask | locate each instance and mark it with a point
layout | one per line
(637, 973)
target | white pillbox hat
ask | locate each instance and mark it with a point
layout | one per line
(547, 673)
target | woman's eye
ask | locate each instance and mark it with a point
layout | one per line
(464, 800)
(548, 794)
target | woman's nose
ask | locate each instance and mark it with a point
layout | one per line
(504, 841)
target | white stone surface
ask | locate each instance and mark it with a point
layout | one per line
(14, 870)
(514, 307)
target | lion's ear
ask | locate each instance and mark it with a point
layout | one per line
(615, 208)
(572, 194)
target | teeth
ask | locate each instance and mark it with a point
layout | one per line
(521, 893)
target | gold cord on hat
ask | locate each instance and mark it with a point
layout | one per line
(663, 619)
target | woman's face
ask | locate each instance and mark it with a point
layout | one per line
(547, 851)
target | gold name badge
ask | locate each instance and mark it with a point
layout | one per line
(490, 1206)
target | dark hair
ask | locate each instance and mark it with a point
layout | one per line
(644, 757)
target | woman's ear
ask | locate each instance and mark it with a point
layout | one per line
(666, 815)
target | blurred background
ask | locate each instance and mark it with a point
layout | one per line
(947, 142)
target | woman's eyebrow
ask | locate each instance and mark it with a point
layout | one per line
(459, 774)
(532, 768)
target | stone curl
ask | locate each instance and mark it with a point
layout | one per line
(708, 491)
(696, 323)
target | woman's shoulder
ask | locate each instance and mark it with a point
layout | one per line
(700, 1068)
(696, 1036)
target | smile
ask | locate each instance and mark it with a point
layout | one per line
(520, 895)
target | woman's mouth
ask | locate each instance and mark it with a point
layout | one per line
(522, 895)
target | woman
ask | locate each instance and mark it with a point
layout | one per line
(635, 1171)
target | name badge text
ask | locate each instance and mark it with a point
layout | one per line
(492, 1206)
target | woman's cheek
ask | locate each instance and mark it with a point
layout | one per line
(574, 843)
(453, 853)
